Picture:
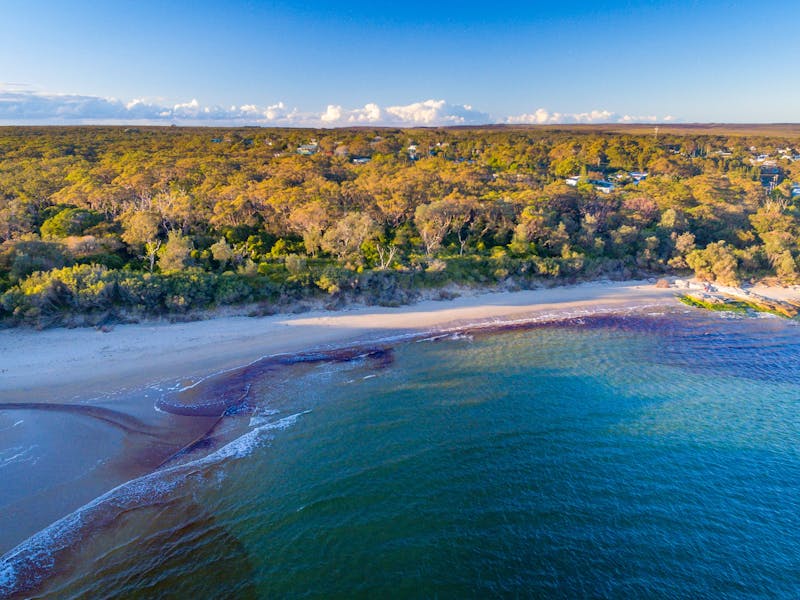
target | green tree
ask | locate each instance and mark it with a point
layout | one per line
(433, 221)
(140, 232)
(70, 221)
(346, 236)
(175, 253)
(222, 252)
(716, 262)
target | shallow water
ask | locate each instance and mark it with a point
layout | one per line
(56, 457)
(639, 455)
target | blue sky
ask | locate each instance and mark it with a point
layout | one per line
(336, 63)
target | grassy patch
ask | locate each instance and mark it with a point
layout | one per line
(737, 306)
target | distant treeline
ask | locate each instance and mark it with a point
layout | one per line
(101, 221)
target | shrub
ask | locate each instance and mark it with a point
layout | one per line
(233, 289)
(26, 256)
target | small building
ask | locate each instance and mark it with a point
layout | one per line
(361, 160)
(308, 149)
(638, 176)
(602, 186)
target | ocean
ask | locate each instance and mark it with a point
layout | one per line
(649, 453)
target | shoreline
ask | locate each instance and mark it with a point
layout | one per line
(81, 364)
(214, 357)
(106, 371)
(78, 364)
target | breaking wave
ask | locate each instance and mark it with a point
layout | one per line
(23, 568)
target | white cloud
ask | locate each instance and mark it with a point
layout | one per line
(425, 113)
(19, 106)
(538, 117)
(248, 109)
(194, 105)
(437, 112)
(640, 119)
(542, 116)
(36, 107)
(371, 113)
(275, 112)
(332, 114)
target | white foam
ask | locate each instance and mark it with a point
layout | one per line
(7, 577)
(557, 316)
(39, 550)
(19, 455)
(10, 427)
(766, 315)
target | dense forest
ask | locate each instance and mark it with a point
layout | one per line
(101, 223)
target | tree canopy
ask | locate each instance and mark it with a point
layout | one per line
(101, 219)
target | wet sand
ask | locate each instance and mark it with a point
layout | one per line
(55, 458)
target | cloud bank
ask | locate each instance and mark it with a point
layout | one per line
(542, 116)
(20, 106)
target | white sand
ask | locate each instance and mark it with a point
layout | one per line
(65, 364)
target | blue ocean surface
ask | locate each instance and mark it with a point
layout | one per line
(630, 455)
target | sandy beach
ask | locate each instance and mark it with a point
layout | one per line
(74, 364)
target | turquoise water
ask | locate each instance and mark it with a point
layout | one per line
(617, 456)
